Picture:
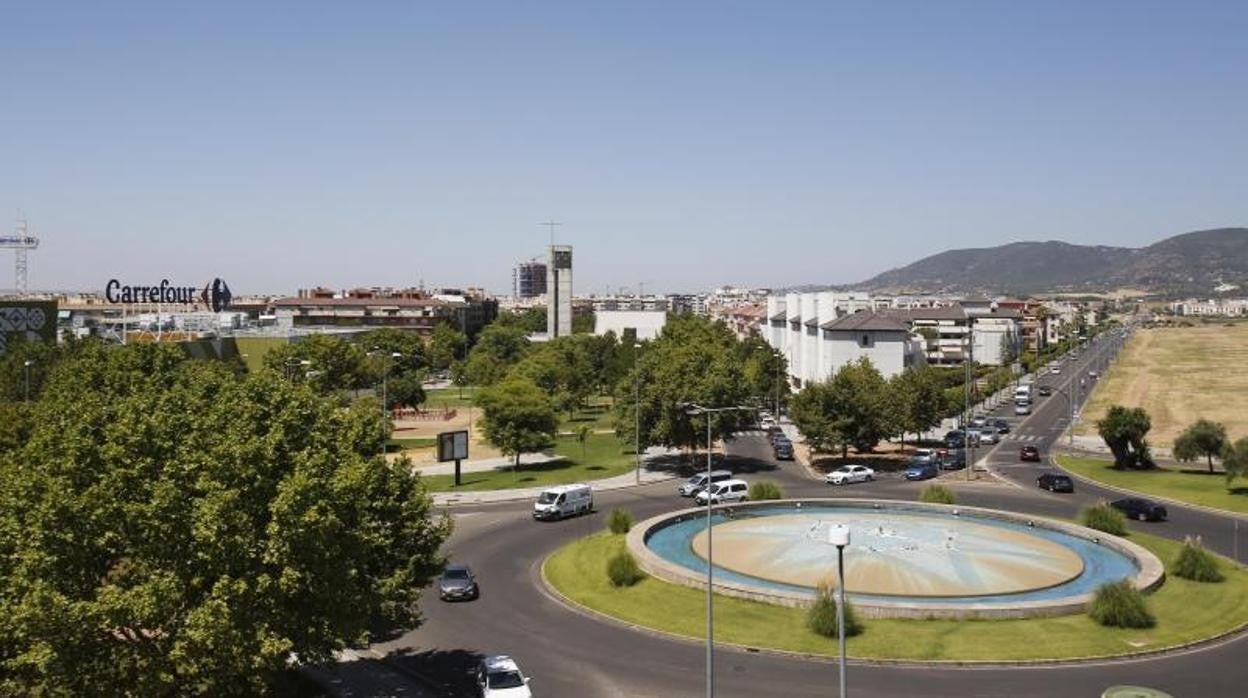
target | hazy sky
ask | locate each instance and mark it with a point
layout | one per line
(682, 144)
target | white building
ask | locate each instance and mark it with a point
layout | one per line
(559, 291)
(643, 324)
(884, 340)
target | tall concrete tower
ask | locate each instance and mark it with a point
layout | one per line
(559, 291)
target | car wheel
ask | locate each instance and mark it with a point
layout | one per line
(870, 478)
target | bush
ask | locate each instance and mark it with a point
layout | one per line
(1105, 519)
(623, 571)
(619, 521)
(765, 489)
(1120, 605)
(936, 494)
(1195, 563)
(821, 618)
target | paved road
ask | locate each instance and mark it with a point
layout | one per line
(569, 654)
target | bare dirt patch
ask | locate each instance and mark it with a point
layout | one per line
(1179, 375)
(464, 417)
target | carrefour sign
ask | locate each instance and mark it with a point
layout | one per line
(33, 321)
(215, 294)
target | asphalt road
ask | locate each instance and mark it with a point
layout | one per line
(574, 655)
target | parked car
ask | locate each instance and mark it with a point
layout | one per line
(979, 421)
(923, 455)
(849, 473)
(1056, 482)
(457, 582)
(697, 483)
(953, 459)
(724, 492)
(955, 439)
(563, 501)
(1003, 427)
(1140, 509)
(921, 471)
(989, 435)
(783, 450)
(1056, 369)
(767, 422)
(1029, 453)
(1092, 375)
(1045, 390)
(1021, 409)
(500, 677)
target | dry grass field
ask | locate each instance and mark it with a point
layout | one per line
(1179, 375)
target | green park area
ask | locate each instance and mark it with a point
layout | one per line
(1186, 612)
(601, 457)
(453, 397)
(1194, 485)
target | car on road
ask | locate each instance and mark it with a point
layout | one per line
(1140, 509)
(1003, 427)
(697, 483)
(989, 435)
(921, 471)
(922, 456)
(1055, 482)
(1055, 369)
(1021, 409)
(724, 492)
(562, 501)
(1092, 375)
(766, 422)
(1030, 453)
(458, 582)
(955, 439)
(500, 677)
(953, 459)
(783, 450)
(979, 421)
(1045, 390)
(849, 473)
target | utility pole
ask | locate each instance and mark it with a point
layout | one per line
(551, 224)
(21, 242)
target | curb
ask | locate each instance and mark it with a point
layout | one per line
(1232, 635)
(1122, 490)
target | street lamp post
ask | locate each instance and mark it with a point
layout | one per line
(694, 409)
(26, 370)
(838, 535)
(385, 373)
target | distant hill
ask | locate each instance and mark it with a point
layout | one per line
(1192, 263)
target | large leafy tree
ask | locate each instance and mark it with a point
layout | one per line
(814, 413)
(1124, 430)
(498, 348)
(764, 370)
(1235, 460)
(445, 345)
(918, 400)
(562, 368)
(518, 417)
(325, 363)
(172, 527)
(860, 395)
(1204, 439)
(397, 362)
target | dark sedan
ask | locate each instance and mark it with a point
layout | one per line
(1045, 390)
(783, 450)
(1055, 482)
(457, 582)
(1140, 509)
(1030, 453)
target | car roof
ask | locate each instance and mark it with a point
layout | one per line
(500, 662)
(457, 568)
(560, 489)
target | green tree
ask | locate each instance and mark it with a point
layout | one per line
(528, 320)
(18, 380)
(1202, 439)
(583, 323)
(387, 341)
(814, 413)
(172, 527)
(498, 348)
(918, 400)
(324, 362)
(1124, 430)
(1235, 461)
(860, 399)
(518, 417)
(445, 345)
(407, 389)
(764, 369)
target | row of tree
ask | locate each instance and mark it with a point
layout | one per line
(858, 407)
(1125, 431)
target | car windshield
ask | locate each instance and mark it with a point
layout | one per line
(548, 497)
(505, 679)
(455, 574)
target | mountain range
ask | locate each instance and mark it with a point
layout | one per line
(1198, 263)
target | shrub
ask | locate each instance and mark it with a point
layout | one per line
(936, 494)
(1105, 519)
(765, 489)
(1195, 563)
(821, 618)
(619, 521)
(1120, 605)
(623, 571)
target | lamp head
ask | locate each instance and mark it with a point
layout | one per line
(838, 535)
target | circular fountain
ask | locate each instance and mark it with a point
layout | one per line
(905, 559)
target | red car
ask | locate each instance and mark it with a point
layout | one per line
(1029, 453)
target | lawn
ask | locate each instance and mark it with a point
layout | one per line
(406, 443)
(1178, 375)
(1195, 486)
(437, 398)
(603, 457)
(1186, 611)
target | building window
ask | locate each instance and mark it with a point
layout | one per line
(866, 340)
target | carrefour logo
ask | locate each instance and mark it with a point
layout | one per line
(215, 294)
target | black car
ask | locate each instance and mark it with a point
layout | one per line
(1045, 390)
(1055, 482)
(457, 582)
(783, 450)
(1140, 509)
(1003, 427)
(953, 459)
(955, 439)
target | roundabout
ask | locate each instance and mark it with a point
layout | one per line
(906, 559)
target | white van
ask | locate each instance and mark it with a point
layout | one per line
(726, 491)
(563, 501)
(1022, 394)
(697, 483)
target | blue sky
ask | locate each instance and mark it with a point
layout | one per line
(682, 144)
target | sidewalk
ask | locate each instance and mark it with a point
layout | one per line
(484, 464)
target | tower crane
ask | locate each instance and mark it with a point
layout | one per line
(21, 242)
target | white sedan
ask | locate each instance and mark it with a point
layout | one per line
(849, 473)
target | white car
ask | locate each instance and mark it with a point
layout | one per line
(849, 473)
(766, 422)
(723, 492)
(500, 677)
(1055, 369)
(989, 436)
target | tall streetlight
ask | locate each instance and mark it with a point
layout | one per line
(637, 410)
(26, 370)
(838, 535)
(385, 414)
(695, 410)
